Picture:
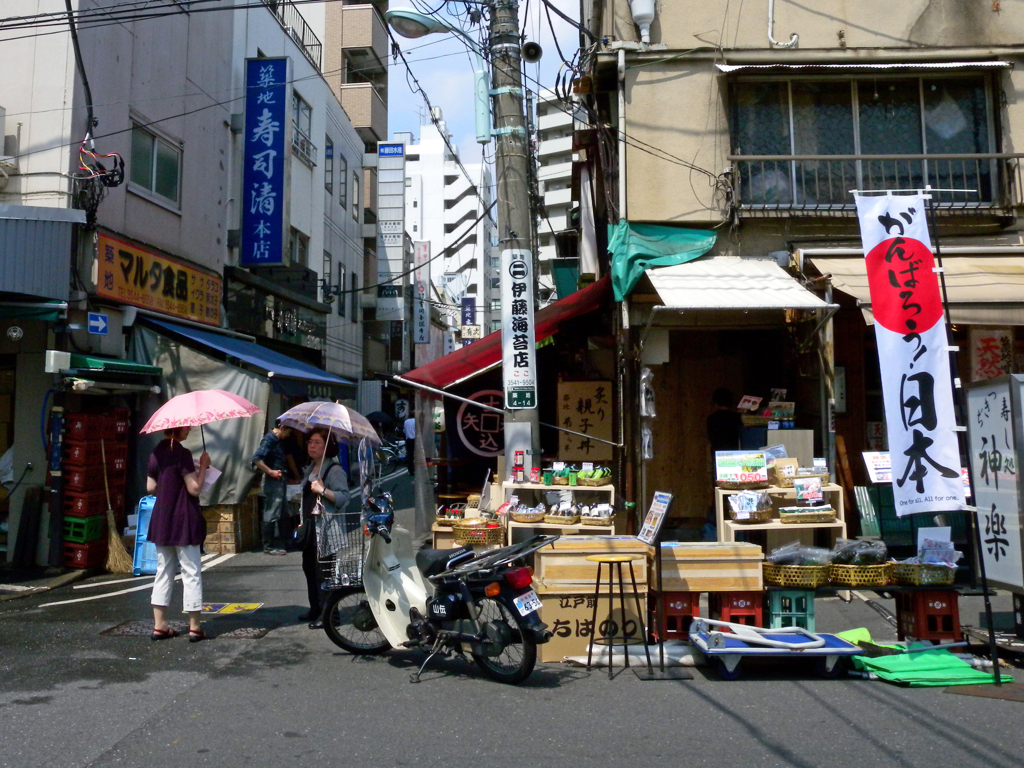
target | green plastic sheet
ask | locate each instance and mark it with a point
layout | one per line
(927, 669)
(635, 248)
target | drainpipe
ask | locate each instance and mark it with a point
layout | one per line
(771, 25)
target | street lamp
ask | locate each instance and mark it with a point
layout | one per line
(413, 25)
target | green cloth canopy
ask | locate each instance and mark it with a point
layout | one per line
(635, 248)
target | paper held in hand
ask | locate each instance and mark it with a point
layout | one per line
(212, 474)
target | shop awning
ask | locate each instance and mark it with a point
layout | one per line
(486, 353)
(91, 363)
(867, 66)
(983, 290)
(287, 375)
(47, 311)
(731, 283)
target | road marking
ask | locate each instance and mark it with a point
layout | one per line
(206, 566)
(94, 584)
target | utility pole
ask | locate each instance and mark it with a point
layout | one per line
(515, 215)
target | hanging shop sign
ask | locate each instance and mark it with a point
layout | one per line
(421, 293)
(910, 330)
(585, 406)
(994, 420)
(133, 275)
(518, 335)
(391, 222)
(479, 431)
(264, 167)
(991, 353)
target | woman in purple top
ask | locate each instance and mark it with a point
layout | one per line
(177, 528)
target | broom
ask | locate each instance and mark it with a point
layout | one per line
(118, 559)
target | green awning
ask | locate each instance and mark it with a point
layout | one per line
(111, 365)
(46, 311)
(635, 248)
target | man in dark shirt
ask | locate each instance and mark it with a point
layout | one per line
(270, 459)
(724, 424)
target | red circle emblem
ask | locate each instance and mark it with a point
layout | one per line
(904, 291)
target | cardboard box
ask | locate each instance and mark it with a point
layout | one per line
(709, 567)
(565, 561)
(569, 614)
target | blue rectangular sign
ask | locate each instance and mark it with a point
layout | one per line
(98, 323)
(390, 150)
(266, 114)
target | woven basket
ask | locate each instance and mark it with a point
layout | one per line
(787, 482)
(807, 517)
(796, 576)
(593, 482)
(859, 575)
(448, 521)
(596, 520)
(559, 480)
(562, 519)
(922, 574)
(755, 517)
(475, 531)
(729, 485)
(473, 500)
(528, 517)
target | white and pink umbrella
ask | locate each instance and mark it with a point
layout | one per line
(197, 408)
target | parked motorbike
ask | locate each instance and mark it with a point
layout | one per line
(441, 601)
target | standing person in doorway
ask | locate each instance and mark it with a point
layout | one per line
(177, 528)
(325, 479)
(724, 424)
(270, 459)
(410, 441)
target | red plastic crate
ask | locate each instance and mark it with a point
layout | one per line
(89, 427)
(122, 422)
(89, 453)
(928, 615)
(89, 503)
(680, 608)
(85, 555)
(737, 607)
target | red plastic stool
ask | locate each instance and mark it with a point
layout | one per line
(679, 609)
(737, 607)
(928, 615)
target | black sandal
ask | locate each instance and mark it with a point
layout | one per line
(164, 634)
(195, 635)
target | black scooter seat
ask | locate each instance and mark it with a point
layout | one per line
(434, 561)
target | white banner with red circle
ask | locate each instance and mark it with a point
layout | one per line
(912, 353)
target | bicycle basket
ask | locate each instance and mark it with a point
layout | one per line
(340, 548)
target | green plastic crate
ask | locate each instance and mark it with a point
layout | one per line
(80, 530)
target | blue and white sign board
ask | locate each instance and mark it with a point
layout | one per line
(267, 126)
(391, 220)
(98, 323)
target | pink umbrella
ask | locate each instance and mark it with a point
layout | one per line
(202, 407)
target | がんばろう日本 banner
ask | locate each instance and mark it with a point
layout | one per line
(911, 336)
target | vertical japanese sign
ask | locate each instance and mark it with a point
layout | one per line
(421, 293)
(263, 177)
(991, 353)
(391, 221)
(468, 317)
(993, 413)
(585, 406)
(911, 335)
(518, 336)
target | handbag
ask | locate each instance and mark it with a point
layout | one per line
(307, 527)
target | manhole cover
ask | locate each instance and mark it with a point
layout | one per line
(214, 630)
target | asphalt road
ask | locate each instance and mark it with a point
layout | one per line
(71, 696)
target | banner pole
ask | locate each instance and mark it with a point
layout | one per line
(960, 396)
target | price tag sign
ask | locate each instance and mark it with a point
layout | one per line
(558, 466)
(741, 466)
(808, 488)
(655, 517)
(588, 466)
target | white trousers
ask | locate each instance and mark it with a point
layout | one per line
(191, 576)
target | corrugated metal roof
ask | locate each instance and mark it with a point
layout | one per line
(730, 282)
(873, 66)
(35, 250)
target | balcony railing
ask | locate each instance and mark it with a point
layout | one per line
(290, 18)
(822, 183)
(303, 147)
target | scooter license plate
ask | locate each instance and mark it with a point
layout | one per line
(527, 603)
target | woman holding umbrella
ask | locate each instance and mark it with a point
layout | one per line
(177, 528)
(323, 479)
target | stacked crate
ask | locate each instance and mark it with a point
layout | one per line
(91, 438)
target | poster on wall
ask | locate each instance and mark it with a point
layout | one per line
(586, 407)
(991, 352)
(910, 330)
(992, 411)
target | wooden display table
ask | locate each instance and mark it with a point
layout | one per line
(578, 528)
(775, 528)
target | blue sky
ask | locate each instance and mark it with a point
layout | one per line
(444, 68)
